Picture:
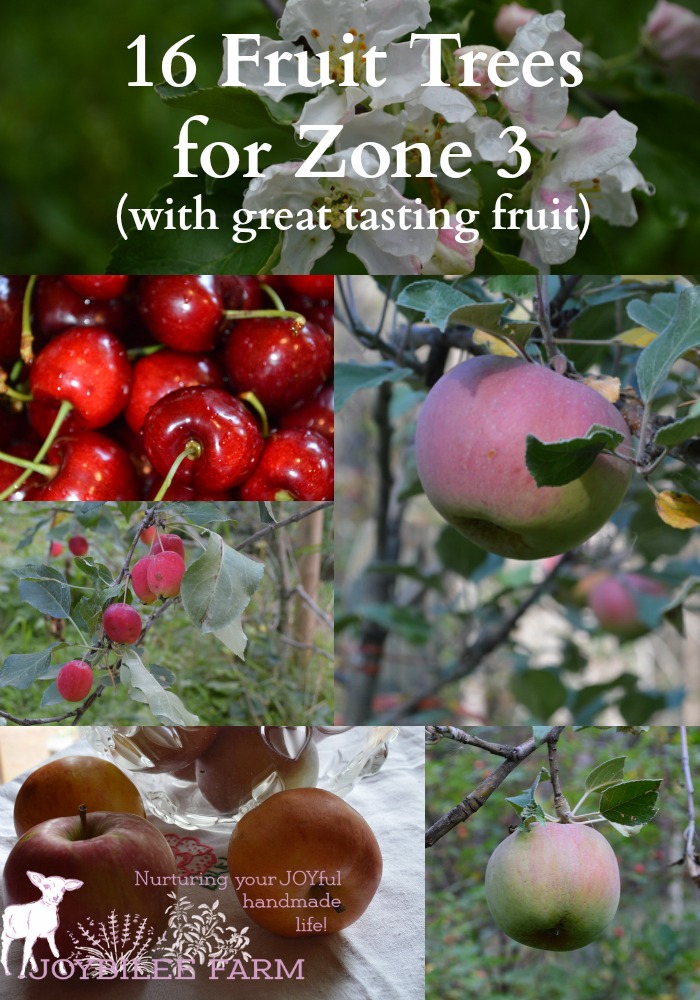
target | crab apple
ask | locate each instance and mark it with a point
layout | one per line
(147, 535)
(554, 887)
(470, 455)
(56, 549)
(78, 545)
(615, 603)
(165, 573)
(74, 680)
(139, 580)
(304, 832)
(168, 543)
(122, 623)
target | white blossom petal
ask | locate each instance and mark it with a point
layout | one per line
(595, 146)
(328, 108)
(302, 248)
(255, 77)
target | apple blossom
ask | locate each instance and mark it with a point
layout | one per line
(509, 18)
(453, 255)
(483, 87)
(672, 32)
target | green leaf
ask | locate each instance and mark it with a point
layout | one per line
(266, 513)
(656, 314)
(45, 589)
(610, 772)
(409, 623)
(165, 705)
(21, 670)
(128, 507)
(458, 554)
(516, 286)
(682, 333)
(541, 691)
(560, 462)
(540, 734)
(351, 376)
(681, 430)
(507, 263)
(631, 802)
(216, 590)
(435, 300)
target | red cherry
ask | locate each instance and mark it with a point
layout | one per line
(56, 307)
(282, 365)
(168, 543)
(316, 286)
(316, 415)
(296, 463)
(139, 580)
(89, 467)
(239, 291)
(122, 623)
(97, 286)
(78, 545)
(228, 435)
(88, 367)
(74, 681)
(158, 374)
(9, 472)
(183, 311)
(12, 288)
(165, 573)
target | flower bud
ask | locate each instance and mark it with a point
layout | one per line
(672, 32)
(478, 72)
(509, 18)
(453, 254)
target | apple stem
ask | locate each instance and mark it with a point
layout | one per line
(63, 411)
(26, 463)
(254, 402)
(193, 451)
(26, 344)
(83, 820)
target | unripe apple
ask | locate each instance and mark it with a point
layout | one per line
(554, 887)
(122, 623)
(78, 545)
(165, 573)
(139, 580)
(470, 455)
(168, 543)
(615, 603)
(74, 680)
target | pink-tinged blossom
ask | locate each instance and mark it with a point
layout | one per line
(672, 32)
(453, 255)
(509, 18)
(483, 86)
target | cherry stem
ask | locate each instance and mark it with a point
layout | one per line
(83, 821)
(281, 313)
(142, 352)
(63, 411)
(193, 450)
(6, 390)
(254, 402)
(26, 344)
(26, 463)
(272, 294)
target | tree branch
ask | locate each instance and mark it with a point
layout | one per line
(269, 528)
(691, 857)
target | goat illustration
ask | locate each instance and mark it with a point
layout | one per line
(35, 920)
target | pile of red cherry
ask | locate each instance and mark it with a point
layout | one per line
(173, 387)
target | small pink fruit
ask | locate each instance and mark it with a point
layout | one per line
(56, 549)
(615, 603)
(74, 681)
(168, 543)
(147, 535)
(165, 574)
(78, 545)
(139, 580)
(122, 623)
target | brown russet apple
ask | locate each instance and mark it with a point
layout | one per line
(60, 786)
(304, 862)
(124, 862)
(170, 748)
(243, 757)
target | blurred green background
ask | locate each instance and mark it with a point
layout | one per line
(74, 136)
(652, 947)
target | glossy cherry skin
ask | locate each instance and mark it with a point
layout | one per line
(182, 311)
(229, 436)
(56, 307)
(315, 286)
(12, 288)
(156, 375)
(89, 466)
(97, 286)
(239, 291)
(294, 462)
(316, 415)
(88, 367)
(9, 473)
(282, 365)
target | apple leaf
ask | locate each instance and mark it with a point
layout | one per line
(20, 670)
(45, 589)
(680, 430)
(127, 508)
(540, 734)
(610, 772)
(351, 377)
(266, 513)
(681, 333)
(631, 802)
(165, 705)
(656, 314)
(435, 300)
(559, 462)
(217, 588)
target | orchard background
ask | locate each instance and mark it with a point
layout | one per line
(651, 947)
(285, 673)
(432, 628)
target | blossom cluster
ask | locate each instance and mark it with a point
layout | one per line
(589, 157)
